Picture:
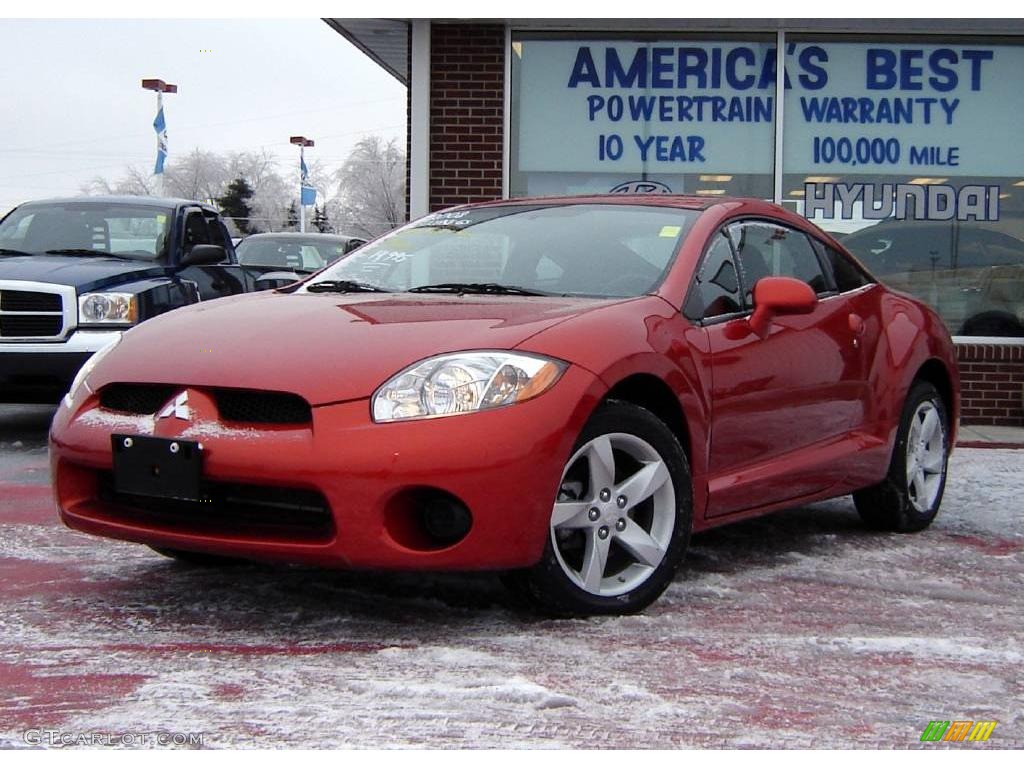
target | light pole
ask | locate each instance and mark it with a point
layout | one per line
(160, 126)
(307, 195)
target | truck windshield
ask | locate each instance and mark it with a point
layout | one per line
(80, 228)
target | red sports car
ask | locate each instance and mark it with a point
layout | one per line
(562, 389)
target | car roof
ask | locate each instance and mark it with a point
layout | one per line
(692, 202)
(136, 200)
(301, 236)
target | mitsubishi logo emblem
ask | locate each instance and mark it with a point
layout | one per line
(178, 408)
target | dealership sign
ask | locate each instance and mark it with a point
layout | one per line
(851, 108)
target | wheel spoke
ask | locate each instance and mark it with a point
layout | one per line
(601, 462)
(920, 491)
(571, 514)
(929, 425)
(915, 432)
(640, 544)
(643, 484)
(932, 461)
(594, 560)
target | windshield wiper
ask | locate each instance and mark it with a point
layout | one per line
(13, 252)
(495, 288)
(86, 252)
(344, 286)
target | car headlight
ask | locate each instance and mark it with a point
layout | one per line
(464, 382)
(108, 308)
(83, 373)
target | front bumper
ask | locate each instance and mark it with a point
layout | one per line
(42, 372)
(503, 465)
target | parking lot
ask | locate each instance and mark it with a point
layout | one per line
(798, 630)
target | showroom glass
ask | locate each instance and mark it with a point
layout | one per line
(605, 114)
(586, 250)
(910, 156)
(125, 230)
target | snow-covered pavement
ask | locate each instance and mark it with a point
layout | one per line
(801, 630)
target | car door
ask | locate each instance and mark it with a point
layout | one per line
(784, 405)
(201, 227)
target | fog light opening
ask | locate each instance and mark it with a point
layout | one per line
(445, 519)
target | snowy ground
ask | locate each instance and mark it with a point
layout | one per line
(797, 630)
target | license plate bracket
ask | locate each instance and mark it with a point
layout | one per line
(157, 466)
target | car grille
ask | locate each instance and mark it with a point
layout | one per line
(30, 301)
(31, 314)
(230, 509)
(263, 407)
(136, 398)
(244, 405)
(20, 326)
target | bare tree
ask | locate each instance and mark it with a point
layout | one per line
(135, 182)
(371, 188)
(199, 175)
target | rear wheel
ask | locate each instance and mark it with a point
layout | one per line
(909, 497)
(621, 520)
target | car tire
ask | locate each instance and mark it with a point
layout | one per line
(909, 497)
(606, 553)
(196, 558)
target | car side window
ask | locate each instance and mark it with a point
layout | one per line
(847, 275)
(767, 249)
(197, 232)
(716, 287)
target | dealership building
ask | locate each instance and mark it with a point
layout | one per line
(903, 138)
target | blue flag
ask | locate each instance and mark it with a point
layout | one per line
(161, 141)
(308, 196)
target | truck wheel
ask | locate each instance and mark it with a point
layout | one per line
(620, 523)
(909, 497)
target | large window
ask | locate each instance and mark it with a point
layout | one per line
(654, 115)
(907, 150)
(910, 154)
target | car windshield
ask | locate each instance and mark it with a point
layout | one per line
(289, 252)
(604, 250)
(84, 228)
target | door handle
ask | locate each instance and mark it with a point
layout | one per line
(857, 326)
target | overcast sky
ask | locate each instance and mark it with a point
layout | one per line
(73, 108)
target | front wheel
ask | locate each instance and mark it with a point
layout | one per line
(909, 497)
(620, 522)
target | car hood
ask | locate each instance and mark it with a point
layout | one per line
(83, 272)
(324, 347)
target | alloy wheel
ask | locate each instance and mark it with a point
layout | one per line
(613, 520)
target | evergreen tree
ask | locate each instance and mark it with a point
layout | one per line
(235, 205)
(292, 219)
(320, 220)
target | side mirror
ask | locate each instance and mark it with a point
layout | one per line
(203, 254)
(779, 296)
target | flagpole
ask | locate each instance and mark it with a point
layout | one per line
(302, 208)
(153, 84)
(159, 176)
(302, 142)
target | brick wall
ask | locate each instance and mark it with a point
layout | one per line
(467, 71)
(991, 384)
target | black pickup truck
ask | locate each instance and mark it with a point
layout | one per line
(76, 273)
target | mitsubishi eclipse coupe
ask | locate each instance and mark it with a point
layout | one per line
(560, 389)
